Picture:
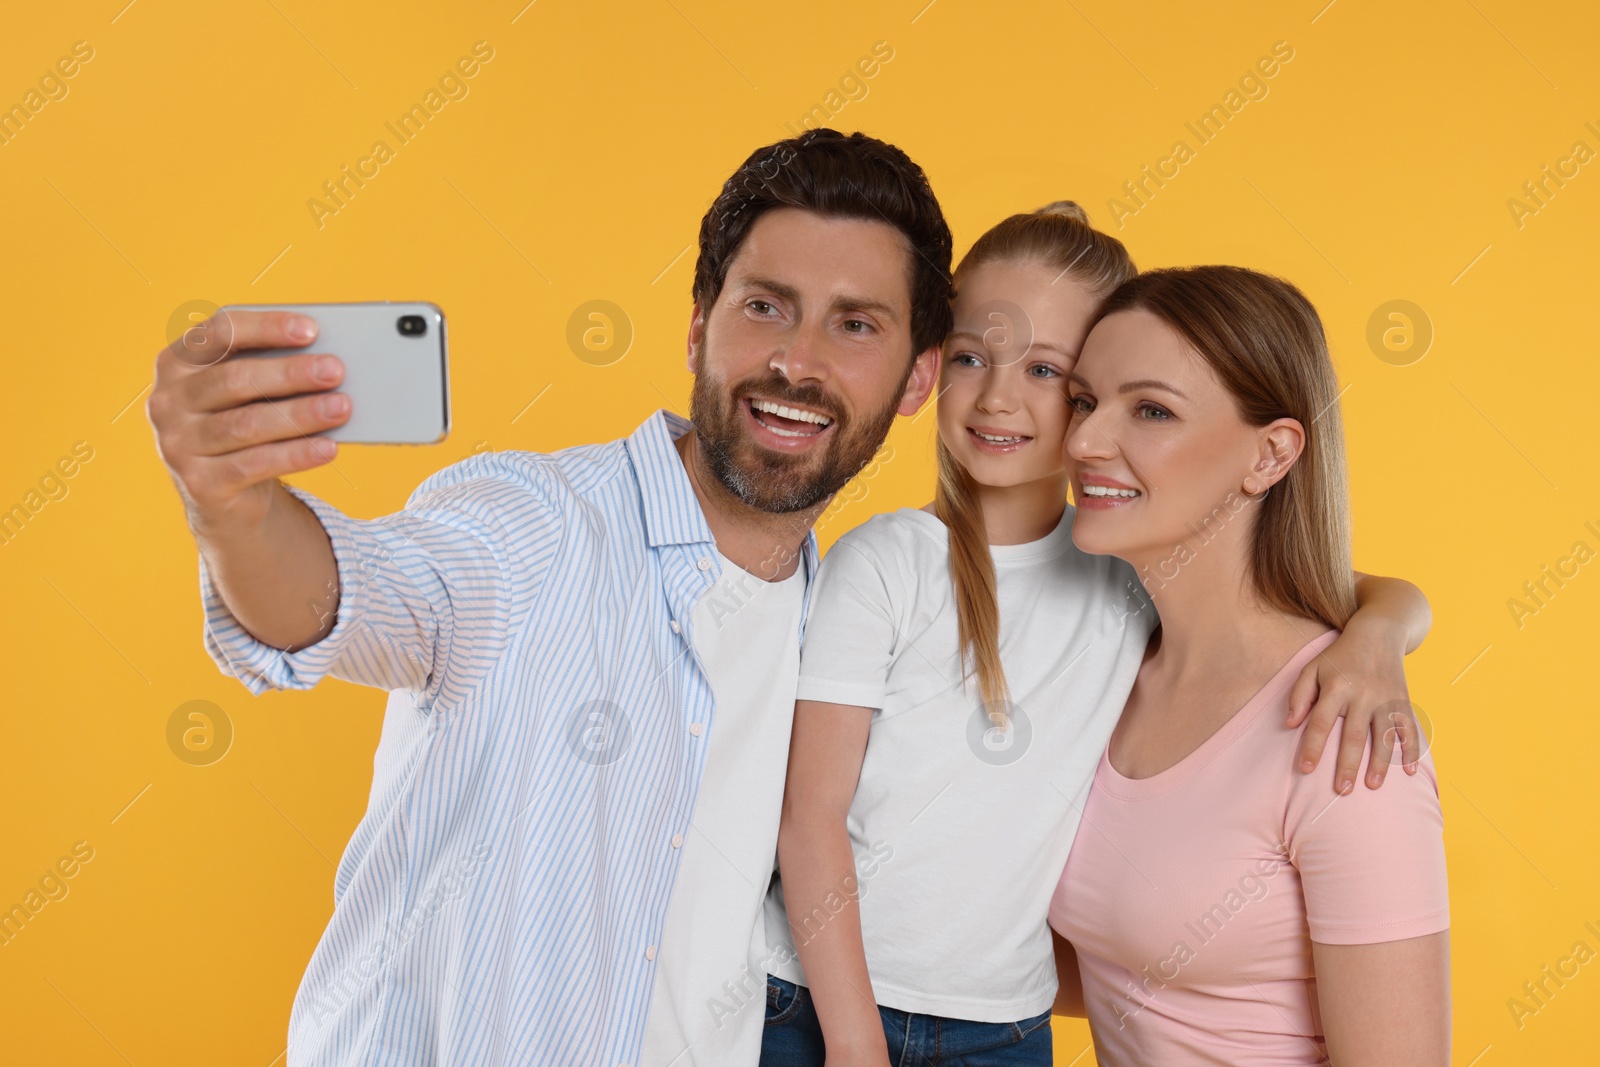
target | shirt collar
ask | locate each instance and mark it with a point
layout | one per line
(672, 513)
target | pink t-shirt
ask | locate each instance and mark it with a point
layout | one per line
(1193, 896)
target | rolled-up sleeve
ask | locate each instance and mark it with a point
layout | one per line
(428, 596)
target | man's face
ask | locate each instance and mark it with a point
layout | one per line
(803, 360)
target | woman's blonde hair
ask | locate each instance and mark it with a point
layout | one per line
(1264, 341)
(1058, 237)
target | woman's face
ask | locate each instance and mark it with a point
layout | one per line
(1002, 382)
(1159, 455)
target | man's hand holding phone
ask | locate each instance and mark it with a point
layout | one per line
(227, 428)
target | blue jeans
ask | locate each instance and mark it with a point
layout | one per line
(793, 1036)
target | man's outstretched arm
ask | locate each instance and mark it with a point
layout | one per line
(294, 589)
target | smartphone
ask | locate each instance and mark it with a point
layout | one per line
(396, 369)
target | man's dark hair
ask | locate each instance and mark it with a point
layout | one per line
(854, 177)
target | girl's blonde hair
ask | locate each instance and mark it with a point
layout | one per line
(1058, 237)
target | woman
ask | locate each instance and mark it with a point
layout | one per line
(1245, 914)
(963, 668)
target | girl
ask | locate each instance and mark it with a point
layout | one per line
(963, 668)
(1241, 900)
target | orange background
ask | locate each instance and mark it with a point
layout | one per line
(177, 167)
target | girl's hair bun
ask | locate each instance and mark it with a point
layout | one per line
(1069, 208)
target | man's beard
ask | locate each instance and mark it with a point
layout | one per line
(773, 481)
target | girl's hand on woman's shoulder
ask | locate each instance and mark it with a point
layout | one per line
(1362, 676)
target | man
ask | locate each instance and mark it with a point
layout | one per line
(591, 655)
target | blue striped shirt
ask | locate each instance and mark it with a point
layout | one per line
(544, 739)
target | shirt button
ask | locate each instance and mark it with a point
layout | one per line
(650, 953)
(705, 563)
(677, 629)
(677, 840)
(696, 729)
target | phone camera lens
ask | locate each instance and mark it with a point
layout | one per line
(412, 325)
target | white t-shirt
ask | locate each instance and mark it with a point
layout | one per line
(708, 1003)
(960, 831)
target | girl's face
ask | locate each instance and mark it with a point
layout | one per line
(1003, 410)
(1159, 455)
